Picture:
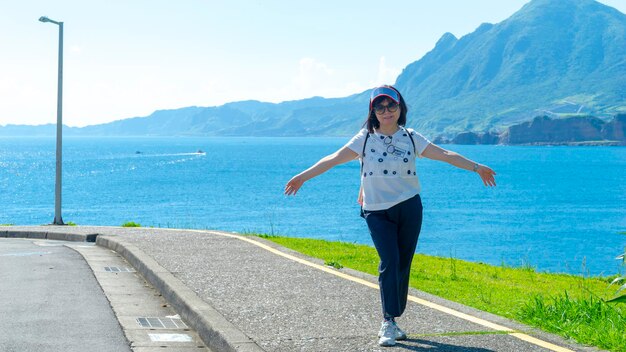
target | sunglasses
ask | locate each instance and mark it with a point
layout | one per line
(391, 107)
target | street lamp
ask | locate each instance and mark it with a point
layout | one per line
(58, 220)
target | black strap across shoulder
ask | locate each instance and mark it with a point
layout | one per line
(363, 151)
(412, 141)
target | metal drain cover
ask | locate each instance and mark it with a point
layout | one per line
(115, 269)
(161, 323)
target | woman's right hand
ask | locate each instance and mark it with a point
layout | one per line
(294, 185)
(360, 197)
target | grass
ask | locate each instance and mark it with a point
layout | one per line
(588, 320)
(569, 305)
(131, 224)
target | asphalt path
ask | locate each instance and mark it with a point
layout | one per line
(248, 294)
(51, 301)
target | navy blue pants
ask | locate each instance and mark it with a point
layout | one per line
(395, 232)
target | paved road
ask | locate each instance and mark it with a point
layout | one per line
(50, 301)
(247, 294)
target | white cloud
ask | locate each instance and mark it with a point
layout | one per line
(312, 76)
(116, 91)
(386, 74)
(316, 78)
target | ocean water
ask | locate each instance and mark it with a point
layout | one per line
(558, 209)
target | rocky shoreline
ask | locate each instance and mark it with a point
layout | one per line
(543, 130)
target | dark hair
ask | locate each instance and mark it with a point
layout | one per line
(372, 121)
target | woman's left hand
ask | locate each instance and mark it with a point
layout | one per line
(294, 185)
(487, 175)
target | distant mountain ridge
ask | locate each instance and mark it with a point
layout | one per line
(554, 57)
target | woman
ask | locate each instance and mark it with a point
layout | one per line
(389, 194)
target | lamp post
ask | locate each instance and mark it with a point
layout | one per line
(58, 220)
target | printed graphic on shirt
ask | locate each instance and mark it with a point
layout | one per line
(400, 150)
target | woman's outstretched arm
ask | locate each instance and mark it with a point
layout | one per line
(435, 152)
(341, 156)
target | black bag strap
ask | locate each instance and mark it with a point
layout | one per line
(412, 141)
(367, 136)
(363, 151)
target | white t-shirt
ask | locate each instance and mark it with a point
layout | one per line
(389, 173)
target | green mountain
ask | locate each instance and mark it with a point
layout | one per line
(553, 57)
(548, 56)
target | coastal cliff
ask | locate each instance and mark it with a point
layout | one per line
(543, 130)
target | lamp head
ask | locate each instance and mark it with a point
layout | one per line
(46, 19)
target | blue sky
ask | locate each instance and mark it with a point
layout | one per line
(127, 58)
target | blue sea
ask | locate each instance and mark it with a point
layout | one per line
(557, 209)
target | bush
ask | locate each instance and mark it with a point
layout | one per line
(131, 224)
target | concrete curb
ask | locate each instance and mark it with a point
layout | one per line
(216, 332)
(45, 235)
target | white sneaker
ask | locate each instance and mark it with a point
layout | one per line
(400, 334)
(387, 334)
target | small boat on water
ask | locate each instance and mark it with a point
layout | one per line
(200, 151)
